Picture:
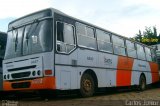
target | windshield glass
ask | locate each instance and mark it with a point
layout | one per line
(29, 39)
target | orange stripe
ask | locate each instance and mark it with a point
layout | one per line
(39, 83)
(124, 72)
(154, 72)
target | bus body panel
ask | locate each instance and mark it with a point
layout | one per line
(102, 64)
(66, 77)
(154, 71)
(140, 67)
(111, 70)
(21, 72)
(28, 65)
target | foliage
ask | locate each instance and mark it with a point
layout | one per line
(148, 37)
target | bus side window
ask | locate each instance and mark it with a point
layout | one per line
(65, 37)
(131, 50)
(140, 52)
(104, 41)
(148, 54)
(118, 45)
(60, 28)
(85, 36)
(153, 55)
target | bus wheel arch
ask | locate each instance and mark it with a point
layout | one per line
(142, 82)
(88, 83)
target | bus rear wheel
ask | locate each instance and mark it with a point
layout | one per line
(87, 87)
(142, 83)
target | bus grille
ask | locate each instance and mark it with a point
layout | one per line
(21, 85)
(21, 75)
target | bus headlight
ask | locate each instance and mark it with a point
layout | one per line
(8, 76)
(39, 72)
(34, 73)
(4, 76)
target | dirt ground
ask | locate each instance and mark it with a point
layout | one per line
(150, 97)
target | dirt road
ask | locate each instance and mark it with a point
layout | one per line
(150, 97)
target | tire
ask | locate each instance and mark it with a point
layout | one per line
(142, 83)
(87, 86)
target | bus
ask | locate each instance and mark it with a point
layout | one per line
(3, 40)
(51, 51)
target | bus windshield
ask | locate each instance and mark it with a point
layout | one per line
(29, 39)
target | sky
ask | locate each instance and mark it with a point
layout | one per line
(124, 17)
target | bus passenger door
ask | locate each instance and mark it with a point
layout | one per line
(66, 56)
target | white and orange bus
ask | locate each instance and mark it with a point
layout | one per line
(49, 50)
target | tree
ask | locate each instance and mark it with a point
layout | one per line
(139, 36)
(148, 37)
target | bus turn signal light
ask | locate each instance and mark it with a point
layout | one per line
(48, 72)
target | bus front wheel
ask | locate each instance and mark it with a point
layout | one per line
(87, 86)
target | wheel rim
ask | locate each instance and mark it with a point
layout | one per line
(87, 85)
(143, 84)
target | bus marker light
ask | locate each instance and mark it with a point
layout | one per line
(48, 72)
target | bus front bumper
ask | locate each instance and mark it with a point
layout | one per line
(33, 84)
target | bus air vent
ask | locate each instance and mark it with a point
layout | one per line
(21, 75)
(21, 85)
(22, 68)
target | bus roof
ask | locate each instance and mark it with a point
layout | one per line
(49, 12)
